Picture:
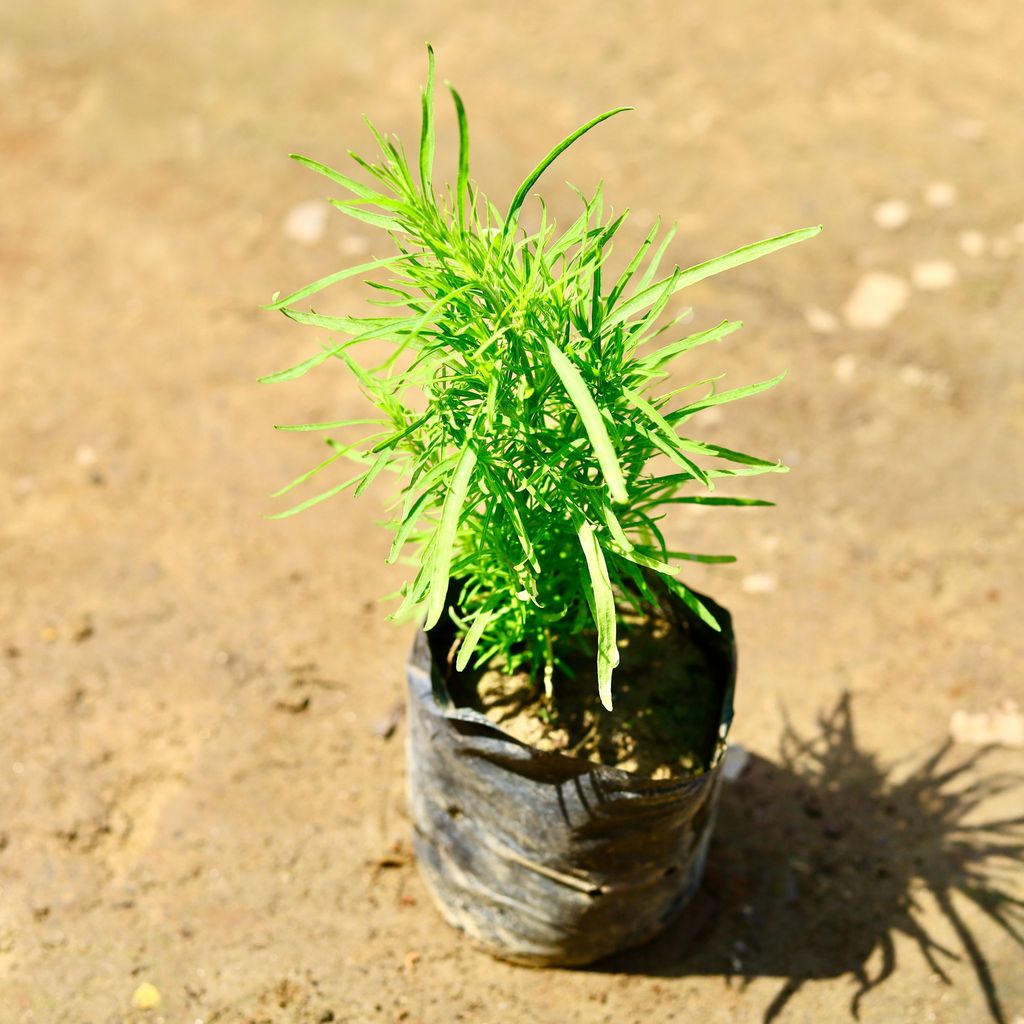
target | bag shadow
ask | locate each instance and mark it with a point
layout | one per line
(818, 862)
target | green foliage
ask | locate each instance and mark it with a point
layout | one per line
(528, 475)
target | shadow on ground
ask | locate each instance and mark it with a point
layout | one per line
(821, 860)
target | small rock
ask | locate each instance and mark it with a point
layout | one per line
(735, 760)
(306, 222)
(891, 214)
(146, 996)
(1003, 725)
(845, 367)
(49, 634)
(354, 245)
(940, 195)
(758, 583)
(933, 275)
(913, 375)
(972, 243)
(876, 300)
(85, 456)
(23, 486)
(821, 321)
(702, 121)
(294, 707)
(970, 129)
(82, 628)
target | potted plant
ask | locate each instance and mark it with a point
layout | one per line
(562, 802)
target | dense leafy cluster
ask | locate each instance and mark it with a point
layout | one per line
(527, 476)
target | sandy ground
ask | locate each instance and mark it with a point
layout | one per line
(194, 794)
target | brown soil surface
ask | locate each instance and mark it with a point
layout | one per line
(667, 704)
(200, 762)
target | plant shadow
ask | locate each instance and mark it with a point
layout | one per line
(819, 861)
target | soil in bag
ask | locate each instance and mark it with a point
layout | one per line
(667, 701)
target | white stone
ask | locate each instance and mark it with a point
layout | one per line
(821, 321)
(876, 300)
(1003, 724)
(933, 275)
(971, 129)
(891, 214)
(354, 245)
(85, 456)
(306, 222)
(758, 583)
(972, 243)
(735, 760)
(845, 367)
(940, 195)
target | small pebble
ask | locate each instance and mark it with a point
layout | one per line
(85, 456)
(972, 243)
(876, 300)
(354, 245)
(1003, 725)
(940, 195)
(146, 996)
(913, 375)
(891, 214)
(735, 760)
(933, 275)
(970, 129)
(702, 121)
(821, 321)
(845, 367)
(758, 583)
(306, 222)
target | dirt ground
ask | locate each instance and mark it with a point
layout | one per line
(198, 794)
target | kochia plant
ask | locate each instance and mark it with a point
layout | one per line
(527, 476)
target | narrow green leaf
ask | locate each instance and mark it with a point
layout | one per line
(462, 184)
(308, 474)
(427, 128)
(708, 499)
(694, 603)
(593, 422)
(532, 178)
(724, 396)
(372, 474)
(604, 612)
(634, 263)
(355, 187)
(689, 556)
(351, 208)
(656, 360)
(667, 433)
(324, 426)
(310, 502)
(390, 442)
(745, 254)
(296, 371)
(444, 538)
(471, 639)
(406, 526)
(326, 282)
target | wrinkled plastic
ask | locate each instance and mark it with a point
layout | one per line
(546, 859)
